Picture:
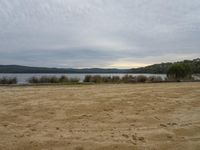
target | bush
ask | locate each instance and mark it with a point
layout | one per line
(102, 79)
(141, 78)
(124, 79)
(63, 79)
(33, 80)
(7, 80)
(128, 79)
(46, 79)
(106, 79)
(116, 79)
(154, 79)
(74, 80)
(88, 78)
(97, 79)
(53, 79)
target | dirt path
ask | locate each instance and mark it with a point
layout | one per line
(101, 117)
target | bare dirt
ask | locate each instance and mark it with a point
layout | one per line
(101, 117)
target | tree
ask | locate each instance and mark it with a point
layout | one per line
(179, 71)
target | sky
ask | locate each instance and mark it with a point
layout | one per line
(98, 33)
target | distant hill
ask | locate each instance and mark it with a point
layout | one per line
(163, 67)
(155, 69)
(26, 69)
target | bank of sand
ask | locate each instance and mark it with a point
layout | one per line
(101, 117)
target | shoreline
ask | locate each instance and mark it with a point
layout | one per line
(90, 83)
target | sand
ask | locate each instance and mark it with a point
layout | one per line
(162, 116)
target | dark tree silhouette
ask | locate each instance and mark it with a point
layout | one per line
(179, 71)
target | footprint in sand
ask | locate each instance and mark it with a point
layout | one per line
(163, 125)
(125, 135)
(169, 136)
(135, 138)
(171, 124)
(141, 139)
(79, 148)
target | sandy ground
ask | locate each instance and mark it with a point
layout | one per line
(101, 117)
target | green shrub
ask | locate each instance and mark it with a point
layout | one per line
(33, 80)
(63, 79)
(124, 79)
(141, 78)
(7, 80)
(74, 80)
(106, 79)
(48, 79)
(154, 79)
(97, 79)
(102, 79)
(116, 79)
(179, 71)
(88, 78)
(53, 79)
(128, 79)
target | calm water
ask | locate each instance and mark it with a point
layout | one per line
(22, 78)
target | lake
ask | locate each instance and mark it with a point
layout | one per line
(22, 78)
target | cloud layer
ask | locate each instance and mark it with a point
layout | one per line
(98, 33)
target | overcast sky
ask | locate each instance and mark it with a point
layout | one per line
(98, 33)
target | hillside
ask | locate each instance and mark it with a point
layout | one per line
(163, 67)
(26, 69)
(156, 68)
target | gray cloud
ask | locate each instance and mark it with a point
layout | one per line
(98, 33)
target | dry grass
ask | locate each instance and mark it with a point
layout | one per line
(101, 117)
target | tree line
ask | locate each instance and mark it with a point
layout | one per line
(163, 68)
